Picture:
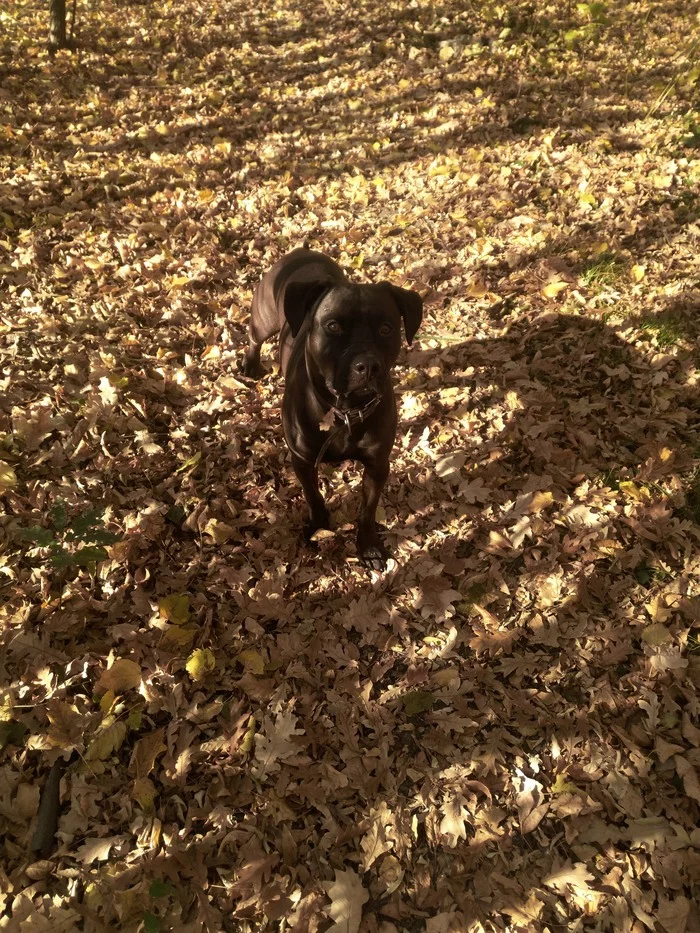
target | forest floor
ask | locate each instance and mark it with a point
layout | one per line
(499, 733)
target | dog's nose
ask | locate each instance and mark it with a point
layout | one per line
(367, 366)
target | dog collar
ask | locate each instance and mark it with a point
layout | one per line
(346, 417)
(352, 416)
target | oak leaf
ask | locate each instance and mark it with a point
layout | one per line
(347, 899)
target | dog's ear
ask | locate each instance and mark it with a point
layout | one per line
(411, 307)
(300, 298)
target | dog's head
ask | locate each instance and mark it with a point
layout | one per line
(353, 332)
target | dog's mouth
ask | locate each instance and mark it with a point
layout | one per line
(359, 388)
(353, 397)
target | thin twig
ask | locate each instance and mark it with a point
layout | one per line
(667, 91)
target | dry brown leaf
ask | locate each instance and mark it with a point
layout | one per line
(123, 675)
(146, 751)
(347, 899)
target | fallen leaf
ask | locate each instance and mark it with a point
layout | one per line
(97, 849)
(450, 464)
(144, 793)
(455, 816)
(347, 899)
(107, 741)
(146, 750)
(576, 876)
(252, 661)
(552, 289)
(175, 608)
(200, 663)
(67, 724)
(656, 634)
(123, 675)
(418, 701)
(8, 477)
(689, 776)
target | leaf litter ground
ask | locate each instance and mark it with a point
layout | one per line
(230, 730)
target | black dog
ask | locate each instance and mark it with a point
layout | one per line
(338, 343)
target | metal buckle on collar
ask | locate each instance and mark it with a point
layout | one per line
(352, 416)
(347, 419)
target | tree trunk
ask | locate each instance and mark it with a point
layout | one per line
(57, 24)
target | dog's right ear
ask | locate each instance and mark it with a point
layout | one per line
(300, 299)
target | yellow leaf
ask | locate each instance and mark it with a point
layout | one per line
(107, 701)
(190, 463)
(106, 742)
(175, 608)
(162, 129)
(133, 720)
(476, 289)
(638, 272)
(8, 477)
(178, 281)
(144, 793)
(200, 663)
(656, 634)
(562, 786)
(446, 53)
(658, 611)
(177, 636)
(601, 246)
(252, 661)
(540, 500)
(123, 675)
(638, 493)
(219, 531)
(587, 198)
(205, 195)
(552, 289)
(248, 742)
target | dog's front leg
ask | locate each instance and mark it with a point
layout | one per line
(369, 544)
(307, 474)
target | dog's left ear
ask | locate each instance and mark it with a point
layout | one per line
(300, 298)
(411, 307)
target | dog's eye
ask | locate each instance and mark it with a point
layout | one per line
(385, 330)
(333, 327)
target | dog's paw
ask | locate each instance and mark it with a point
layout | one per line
(250, 369)
(374, 557)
